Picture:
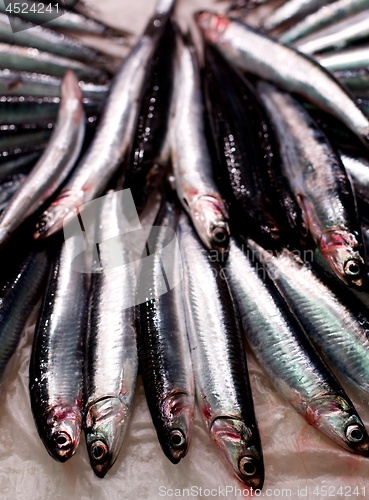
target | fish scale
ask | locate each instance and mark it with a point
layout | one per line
(288, 357)
(221, 379)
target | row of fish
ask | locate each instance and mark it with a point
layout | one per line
(249, 167)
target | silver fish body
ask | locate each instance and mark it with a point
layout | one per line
(111, 363)
(37, 61)
(339, 332)
(319, 181)
(324, 16)
(54, 165)
(350, 59)
(358, 170)
(44, 39)
(352, 29)
(113, 135)
(289, 11)
(19, 295)
(191, 159)
(21, 83)
(287, 68)
(221, 379)
(56, 366)
(287, 356)
(164, 353)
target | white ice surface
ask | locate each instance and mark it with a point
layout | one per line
(296, 455)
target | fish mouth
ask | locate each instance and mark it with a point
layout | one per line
(100, 457)
(64, 446)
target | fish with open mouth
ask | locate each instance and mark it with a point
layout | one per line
(320, 184)
(291, 70)
(191, 159)
(221, 378)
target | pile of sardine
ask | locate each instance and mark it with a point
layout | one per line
(257, 143)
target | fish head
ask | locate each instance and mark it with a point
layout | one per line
(209, 216)
(178, 412)
(211, 25)
(59, 213)
(343, 252)
(64, 424)
(105, 426)
(336, 417)
(241, 448)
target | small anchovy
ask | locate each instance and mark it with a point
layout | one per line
(40, 37)
(290, 11)
(36, 61)
(16, 143)
(221, 378)
(54, 165)
(320, 184)
(67, 20)
(340, 331)
(23, 84)
(37, 112)
(18, 297)
(352, 59)
(353, 29)
(290, 70)
(192, 163)
(144, 169)
(325, 16)
(284, 351)
(111, 363)
(114, 133)
(247, 171)
(20, 164)
(56, 366)
(164, 353)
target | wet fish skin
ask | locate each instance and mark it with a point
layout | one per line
(287, 68)
(37, 61)
(19, 294)
(324, 16)
(21, 164)
(111, 362)
(358, 169)
(113, 136)
(23, 84)
(191, 159)
(350, 59)
(320, 183)
(40, 37)
(338, 36)
(56, 366)
(287, 356)
(54, 165)
(221, 379)
(163, 349)
(340, 331)
(247, 169)
(13, 144)
(8, 187)
(289, 11)
(146, 167)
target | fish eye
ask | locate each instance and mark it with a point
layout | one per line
(354, 434)
(98, 450)
(352, 268)
(177, 439)
(247, 466)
